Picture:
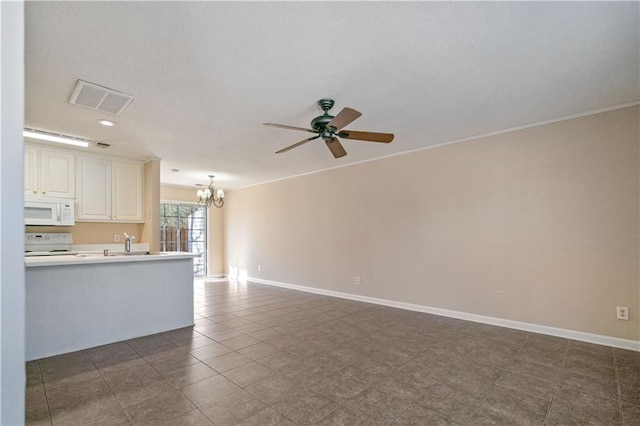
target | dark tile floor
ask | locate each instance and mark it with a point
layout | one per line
(261, 355)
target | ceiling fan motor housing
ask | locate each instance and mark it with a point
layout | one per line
(320, 123)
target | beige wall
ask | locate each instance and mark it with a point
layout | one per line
(215, 265)
(539, 225)
(94, 232)
(177, 193)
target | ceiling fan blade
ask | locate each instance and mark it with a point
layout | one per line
(346, 116)
(295, 145)
(366, 136)
(282, 126)
(336, 147)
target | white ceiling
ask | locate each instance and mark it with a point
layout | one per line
(206, 75)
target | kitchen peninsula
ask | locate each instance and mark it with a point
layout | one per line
(75, 302)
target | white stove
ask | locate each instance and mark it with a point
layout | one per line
(48, 244)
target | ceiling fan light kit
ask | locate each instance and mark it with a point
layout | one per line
(329, 128)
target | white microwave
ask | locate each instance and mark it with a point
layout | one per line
(49, 211)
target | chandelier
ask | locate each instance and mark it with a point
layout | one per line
(210, 196)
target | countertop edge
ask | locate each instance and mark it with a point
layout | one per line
(31, 262)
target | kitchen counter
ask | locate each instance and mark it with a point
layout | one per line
(88, 258)
(76, 302)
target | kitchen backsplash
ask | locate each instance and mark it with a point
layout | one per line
(94, 232)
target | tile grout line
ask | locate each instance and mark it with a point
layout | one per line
(201, 361)
(615, 369)
(44, 390)
(557, 384)
(222, 374)
(166, 380)
(486, 395)
(124, 410)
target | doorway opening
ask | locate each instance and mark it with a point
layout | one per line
(183, 227)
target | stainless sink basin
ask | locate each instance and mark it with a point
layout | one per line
(112, 254)
(119, 253)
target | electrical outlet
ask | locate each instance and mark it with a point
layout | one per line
(622, 313)
(116, 238)
(259, 268)
(357, 280)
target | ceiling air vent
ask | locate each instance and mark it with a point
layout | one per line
(100, 98)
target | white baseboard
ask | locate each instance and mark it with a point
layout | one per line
(216, 275)
(598, 339)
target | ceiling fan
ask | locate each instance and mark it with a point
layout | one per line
(329, 128)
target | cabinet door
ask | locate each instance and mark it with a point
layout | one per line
(57, 174)
(127, 192)
(31, 171)
(93, 198)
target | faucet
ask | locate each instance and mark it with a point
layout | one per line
(127, 243)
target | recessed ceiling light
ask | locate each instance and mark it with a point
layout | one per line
(53, 137)
(107, 123)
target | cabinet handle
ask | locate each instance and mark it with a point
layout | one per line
(35, 192)
(44, 192)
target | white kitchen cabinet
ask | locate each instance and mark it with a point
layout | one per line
(109, 191)
(49, 173)
(93, 202)
(127, 201)
(31, 172)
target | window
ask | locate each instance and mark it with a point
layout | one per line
(183, 227)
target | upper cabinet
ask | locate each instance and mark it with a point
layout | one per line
(128, 195)
(109, 191)
(93, 202)
(106, 189)
(49, 173)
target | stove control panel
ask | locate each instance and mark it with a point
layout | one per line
(48, 238)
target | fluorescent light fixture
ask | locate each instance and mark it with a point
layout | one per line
(52, 137)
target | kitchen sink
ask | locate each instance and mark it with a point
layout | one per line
(119, 253)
